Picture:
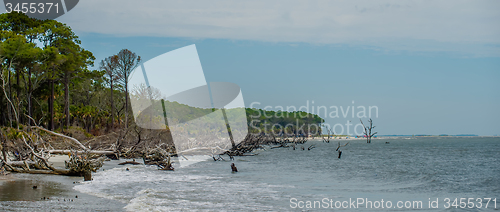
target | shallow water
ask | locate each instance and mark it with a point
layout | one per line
(405, 169)
(53, 193)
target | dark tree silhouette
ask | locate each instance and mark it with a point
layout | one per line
(367, 130)
(127, 62)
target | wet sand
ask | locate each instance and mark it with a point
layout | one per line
(52, 193)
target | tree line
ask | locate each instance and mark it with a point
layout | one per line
(47, 78)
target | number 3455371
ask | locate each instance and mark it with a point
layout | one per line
(470, 202)
(32, 7)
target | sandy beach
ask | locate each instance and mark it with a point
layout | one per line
(52, 192)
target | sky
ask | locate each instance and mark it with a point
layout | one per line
(430, 67)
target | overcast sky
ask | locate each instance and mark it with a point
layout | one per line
(386, 24)
(431, 67)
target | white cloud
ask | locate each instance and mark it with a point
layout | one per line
(386, 24)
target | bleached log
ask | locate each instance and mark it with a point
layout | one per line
(61, 135)
(21, 163)
(65, 152)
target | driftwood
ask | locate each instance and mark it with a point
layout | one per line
(35, 161)
(327, 139)
(338, 148)
(283, 145)
(253, 142)
(54, 172)
(61, 135)
(33, 167)
(219, 158)
(341, 146)
(65, 152)
(160, 158)
(311, 147)
(129, 162)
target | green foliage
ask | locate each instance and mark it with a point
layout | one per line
(13, 134)
(38, 57)
(43, 60)
(256, 119)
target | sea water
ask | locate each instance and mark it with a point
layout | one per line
(422, 173)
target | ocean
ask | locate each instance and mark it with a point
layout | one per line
(391, 174)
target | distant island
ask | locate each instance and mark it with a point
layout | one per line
(425, 135)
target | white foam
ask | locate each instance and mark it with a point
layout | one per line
(188, 160)
(145, 188)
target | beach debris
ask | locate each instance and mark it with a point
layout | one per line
(129, 162)
(160, 158)
(32, 158)
(338, 148)
(284, 141)
(280, 146)
(327, 139)
(84, 165)
(219, 157)
(253, 142)
(311, 147)
(233, 168)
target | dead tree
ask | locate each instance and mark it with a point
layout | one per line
(160, 158)
(37, 161)
(84, 165)
(327, 140)
(311, 147)
(34, 160)
(132, 162)
(3, 140)
(367, 130)
(338, 148)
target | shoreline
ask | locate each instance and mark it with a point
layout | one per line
(52, 192)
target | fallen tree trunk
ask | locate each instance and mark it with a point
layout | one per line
(21, 164)
(56, 172)
(61, 135)
(129, 162)
(65, 152)
(81, 163)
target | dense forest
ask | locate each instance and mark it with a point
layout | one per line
(48, 79)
